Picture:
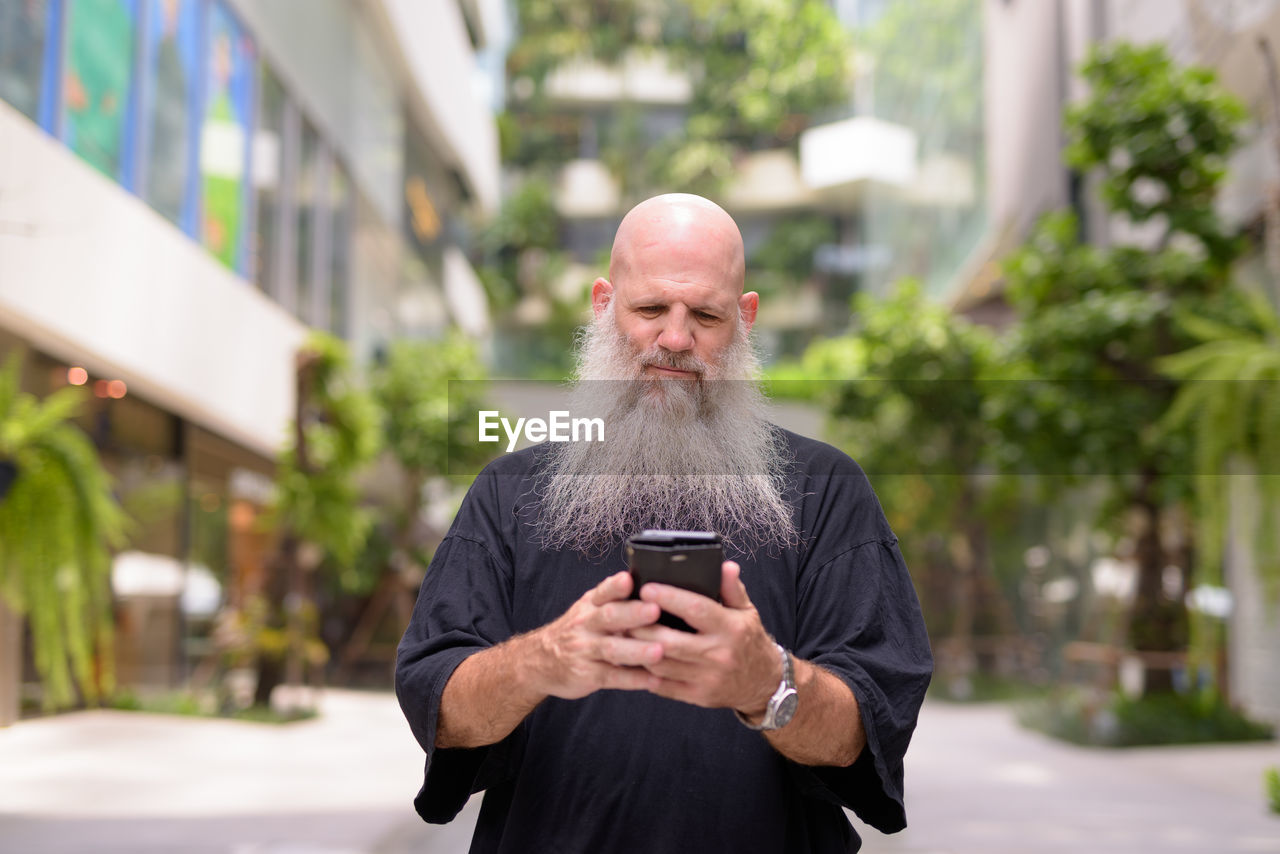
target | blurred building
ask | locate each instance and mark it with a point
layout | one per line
(1032, 48)
(187, 187)
(893, 178)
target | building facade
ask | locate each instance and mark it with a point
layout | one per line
(188, 187)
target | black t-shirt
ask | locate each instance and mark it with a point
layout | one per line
(623, 771)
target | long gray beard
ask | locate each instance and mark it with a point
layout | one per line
(682, 454)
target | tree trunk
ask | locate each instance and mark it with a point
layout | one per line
(966, 557)
(280, 573)
(285, 572)
(1158, 622)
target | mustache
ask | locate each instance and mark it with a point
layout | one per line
(661, 357)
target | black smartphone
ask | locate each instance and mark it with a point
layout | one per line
(688, 559)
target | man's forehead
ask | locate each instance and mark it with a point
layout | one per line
(686, 239)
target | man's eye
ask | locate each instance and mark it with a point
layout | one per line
(702, 315)
(650, 310)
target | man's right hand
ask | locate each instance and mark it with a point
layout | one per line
(583, 650)
(586, 649)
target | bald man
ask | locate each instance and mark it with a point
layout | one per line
(530, 671)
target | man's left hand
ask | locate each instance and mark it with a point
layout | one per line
(730, 662)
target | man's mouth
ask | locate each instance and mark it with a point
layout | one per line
(661, 371)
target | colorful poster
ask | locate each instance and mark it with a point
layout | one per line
(98, 83)
(171, 108)
(224, 140)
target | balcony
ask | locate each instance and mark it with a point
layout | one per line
(839, 159)
(641, 78)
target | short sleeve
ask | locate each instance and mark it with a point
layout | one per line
(462, 608)
(859, 618)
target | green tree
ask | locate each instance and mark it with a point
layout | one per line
(1096, 322)
(318, 509)
(428, 393)
(58, 524)
(907, 391)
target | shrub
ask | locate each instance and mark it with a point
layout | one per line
(1101, 720)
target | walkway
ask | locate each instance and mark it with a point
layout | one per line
(117, 782)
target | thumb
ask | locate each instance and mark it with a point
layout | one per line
(732, 591)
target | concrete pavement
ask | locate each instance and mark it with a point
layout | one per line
(342, 784)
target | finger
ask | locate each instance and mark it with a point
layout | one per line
(701, 612)
(677, 671)
(616, 617)
(664, 635)
(625, 652)
(616, 586)
(626, 678)
(674, 689)
(732, 591)
(684, 646)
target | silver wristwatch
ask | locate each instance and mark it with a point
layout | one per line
(782, 705)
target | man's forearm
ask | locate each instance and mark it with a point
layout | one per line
(488, 695)
(827, 728)
(583, 650)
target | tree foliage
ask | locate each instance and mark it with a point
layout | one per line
(428, 393)
(758, 68)
(1095, 323)
(908, 391)
(58, 524)
(1229, 397)
(317, 495)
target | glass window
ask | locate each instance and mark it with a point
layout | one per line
(340, 227)
(306, 201)
(98, 83)
(24, 28)
(224, 141)
(268, 169)
(173, 51)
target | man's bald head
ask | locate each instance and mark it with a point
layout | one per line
(679, 226)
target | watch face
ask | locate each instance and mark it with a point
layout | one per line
(786, 709)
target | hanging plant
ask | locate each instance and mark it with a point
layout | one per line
(58, 522)
(1230, 398)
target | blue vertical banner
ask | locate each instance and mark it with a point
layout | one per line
(226, 138)
(170, 109)
(51, 87)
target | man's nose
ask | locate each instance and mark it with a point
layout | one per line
(676, 335)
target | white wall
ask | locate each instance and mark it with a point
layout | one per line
(1022, 89)
(91, 275)
(1253, 633)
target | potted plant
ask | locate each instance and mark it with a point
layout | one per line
(58, 522)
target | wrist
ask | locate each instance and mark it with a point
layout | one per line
(754, 710)
(531, 665)
(780, 708)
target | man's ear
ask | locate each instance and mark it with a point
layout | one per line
(601, 293)
(747, 304)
